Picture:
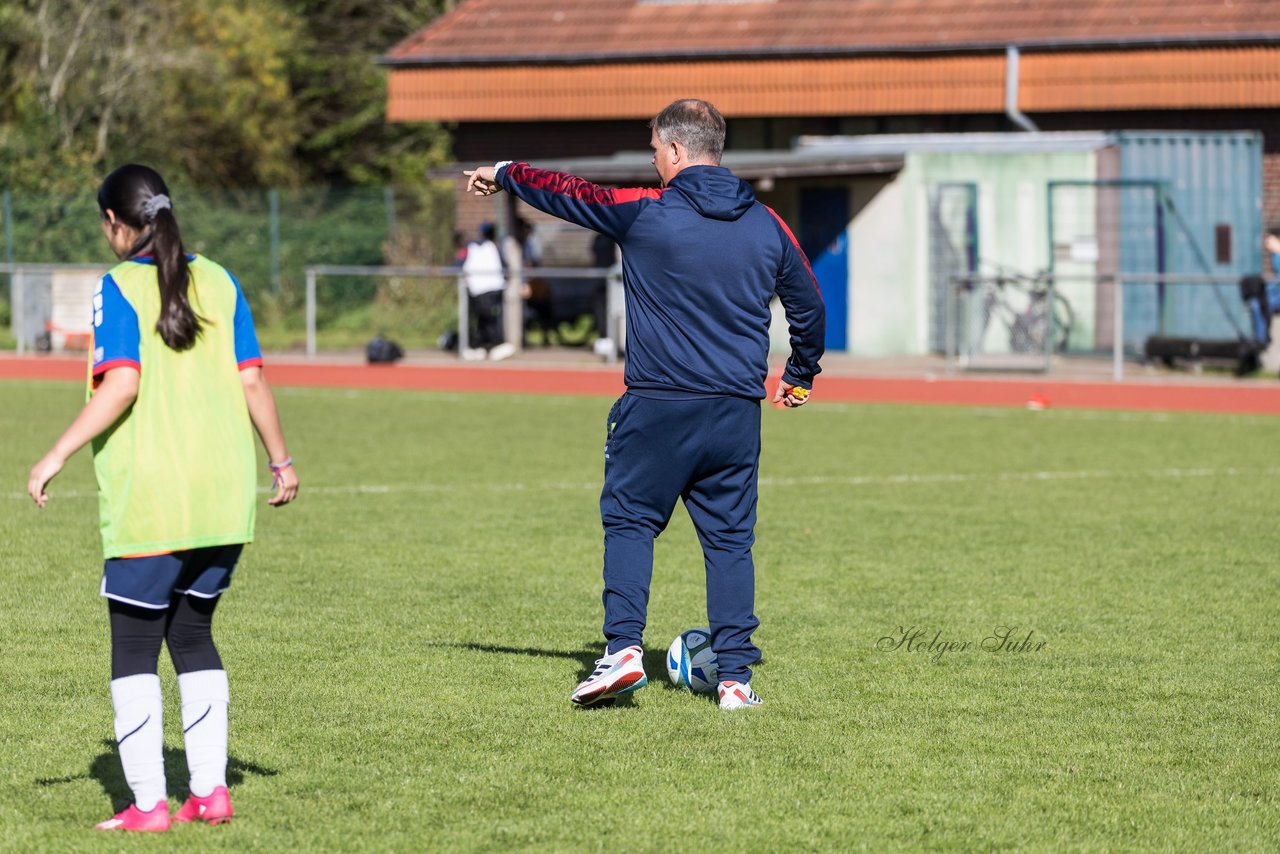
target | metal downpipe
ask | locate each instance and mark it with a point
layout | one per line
(1011, 56)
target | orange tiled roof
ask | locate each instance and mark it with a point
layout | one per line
(536, 31)
(1168, 79)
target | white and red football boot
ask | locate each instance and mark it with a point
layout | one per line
(615, 675)
(737, 695)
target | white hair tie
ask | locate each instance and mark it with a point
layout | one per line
(154, 205)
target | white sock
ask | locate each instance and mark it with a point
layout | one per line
(140, 736)
(205, 697)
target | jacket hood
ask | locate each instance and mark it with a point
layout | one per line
(714, 191)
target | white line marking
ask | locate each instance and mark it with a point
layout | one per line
(821, 408)
(816, 480)
(995, 477)
(437, 396)
(1072, 414)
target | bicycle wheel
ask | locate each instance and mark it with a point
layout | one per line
(1063, 319)
(1029, 330)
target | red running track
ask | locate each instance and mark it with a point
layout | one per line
(1242, 396)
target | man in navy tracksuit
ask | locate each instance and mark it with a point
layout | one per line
(701, 260)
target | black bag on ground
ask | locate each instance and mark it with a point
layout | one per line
(382, 351)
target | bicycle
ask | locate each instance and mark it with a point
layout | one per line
(1026, 315)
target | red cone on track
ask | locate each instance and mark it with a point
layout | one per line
(1038, 401)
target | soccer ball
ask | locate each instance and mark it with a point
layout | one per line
(691, 662)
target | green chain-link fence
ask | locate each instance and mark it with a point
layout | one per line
(266, 238)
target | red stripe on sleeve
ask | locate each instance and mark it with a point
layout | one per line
(576, 188)
(796, 244)
(116, 363)
(635, 194)
(255, 362)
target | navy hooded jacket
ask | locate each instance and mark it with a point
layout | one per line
(701, 260)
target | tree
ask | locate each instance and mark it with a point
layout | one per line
(217, 94)
(341, 93)
(223, 93)
(232, 120)
(72, 69)
(197, 88)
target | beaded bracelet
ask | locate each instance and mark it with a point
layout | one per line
(276, 469)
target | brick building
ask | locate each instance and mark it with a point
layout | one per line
(573, 77)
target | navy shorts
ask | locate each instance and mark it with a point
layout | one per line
(154, 581)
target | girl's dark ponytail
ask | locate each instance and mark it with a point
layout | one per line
(178, 324)
(140, 199)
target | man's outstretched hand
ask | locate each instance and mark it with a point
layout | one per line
(482, 181)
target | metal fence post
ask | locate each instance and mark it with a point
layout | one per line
(273, 204)
(615, 295)
(950, 342)
(311, 313)
(464, 318)
(8, 227)
(389, 199)
(1117, 335)
(14, 299)
(513, 303)
(18, 305)
(1051, 331)
(615, 312)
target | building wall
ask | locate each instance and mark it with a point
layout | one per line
(1270, 204)
(490, 141)
(1212, 225)
(891, 297)
(1271, 191)
(891, 304)
(471, 210)
(1265, 121)
(483, 142)
(884, 305)
(487, 142)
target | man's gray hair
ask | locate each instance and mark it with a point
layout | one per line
(697, 125)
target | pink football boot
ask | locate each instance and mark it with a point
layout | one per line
(214, 808)
(155, 821)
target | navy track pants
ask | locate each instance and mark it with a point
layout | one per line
(705, 450)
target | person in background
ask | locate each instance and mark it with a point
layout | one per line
(1262, 295)
(459, 249)
(486, 280)
(174, 459)
(701, 260)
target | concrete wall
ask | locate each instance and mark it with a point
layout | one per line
(891, 299)
(884, 302)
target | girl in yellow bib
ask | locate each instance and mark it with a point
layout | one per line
(176, 384)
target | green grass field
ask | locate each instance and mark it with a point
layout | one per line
(402, 641)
